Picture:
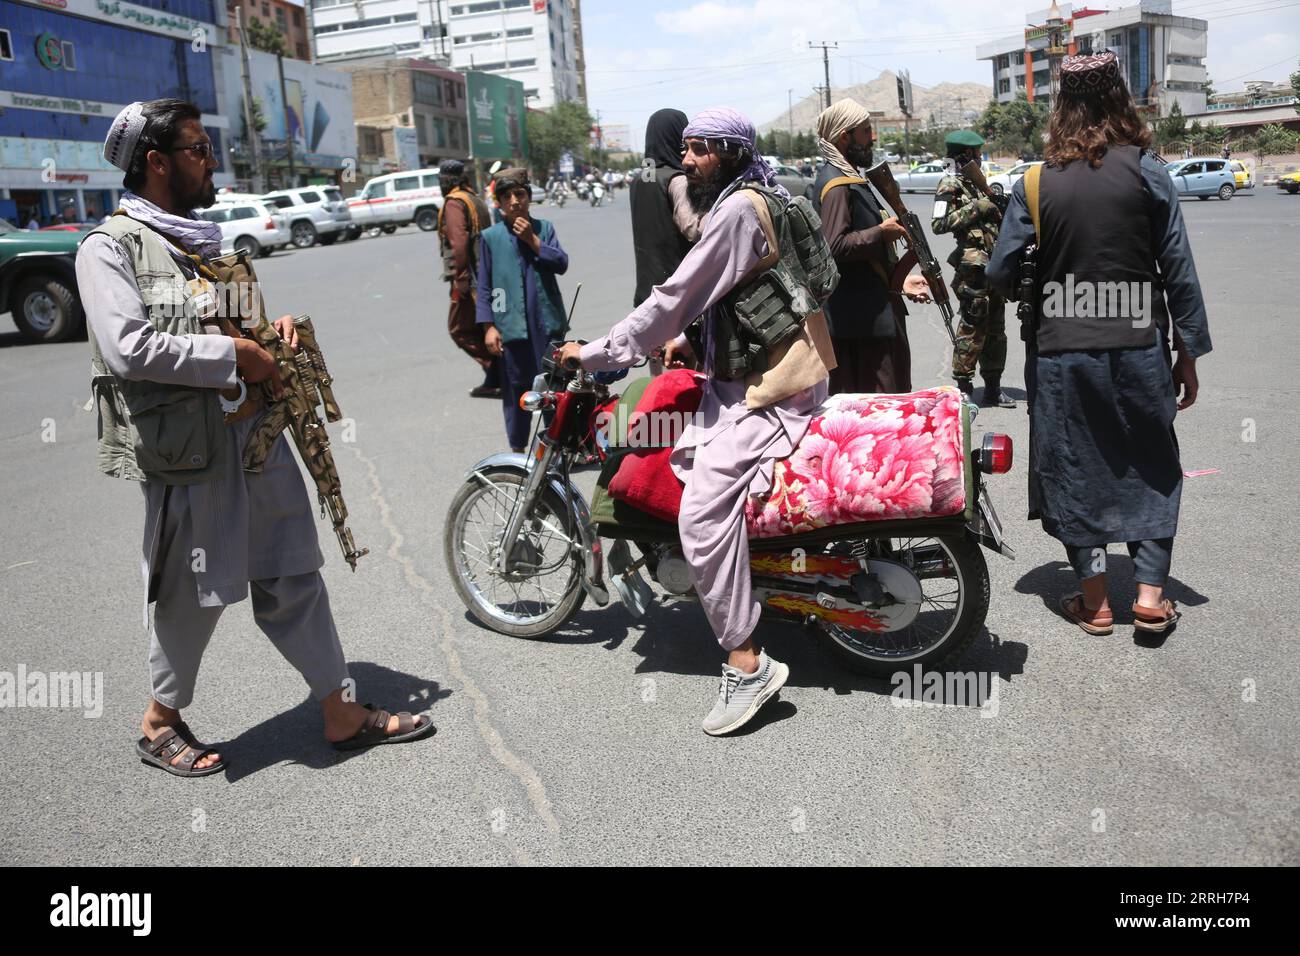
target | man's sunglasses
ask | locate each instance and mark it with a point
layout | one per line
(201, 150)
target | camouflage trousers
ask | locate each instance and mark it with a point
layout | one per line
(981, 333)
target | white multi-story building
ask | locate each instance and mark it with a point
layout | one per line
(533, 41)
(1161, 56)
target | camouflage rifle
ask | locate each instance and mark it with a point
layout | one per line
(918, 248)
(307, 383)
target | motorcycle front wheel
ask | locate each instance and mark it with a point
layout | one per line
(954, 581)
(542, 588)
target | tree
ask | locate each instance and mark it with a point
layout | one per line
(565, 127)
(1015, 127)
(1272, 140)
(1295, 88)
(266, 38)
(1171, 130)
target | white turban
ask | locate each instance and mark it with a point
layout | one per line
(834, 121)
(124, 134)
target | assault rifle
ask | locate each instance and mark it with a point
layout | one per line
(918, 248)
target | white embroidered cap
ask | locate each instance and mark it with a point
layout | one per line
(124, 134)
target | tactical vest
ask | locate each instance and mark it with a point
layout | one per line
(658, 245)
(150, 430)
(861, 306)
(478, 219)
(1095, 260)
(769, 306)
(981, 236)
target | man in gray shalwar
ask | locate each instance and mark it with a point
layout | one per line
(728, 450)
(174, 412)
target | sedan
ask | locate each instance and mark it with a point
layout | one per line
(921, 179)
(1203, 178)
(1289, 181)
(794, 181)
(1003, 183)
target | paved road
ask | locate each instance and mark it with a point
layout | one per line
(586, 748)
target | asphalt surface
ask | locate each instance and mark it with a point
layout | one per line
(586, 747)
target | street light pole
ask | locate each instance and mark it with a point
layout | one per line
(826, 64)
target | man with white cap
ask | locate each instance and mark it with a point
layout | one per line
(213, 534)
(746, 420)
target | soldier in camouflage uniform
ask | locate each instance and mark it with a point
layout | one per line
(960, 207)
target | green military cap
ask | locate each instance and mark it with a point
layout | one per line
(964, 137)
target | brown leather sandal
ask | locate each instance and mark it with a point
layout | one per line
(1155, 620)
(160, 752)
(1098, 622)
(374, 730)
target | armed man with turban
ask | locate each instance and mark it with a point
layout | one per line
(175, 412)
(868, 320)
(462, 219)
(747, 418)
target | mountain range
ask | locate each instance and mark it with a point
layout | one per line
(951, 104)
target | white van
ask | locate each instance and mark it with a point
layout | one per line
(398, 199)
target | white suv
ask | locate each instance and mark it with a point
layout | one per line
(398, 199)
(314, 213)
(248, 226)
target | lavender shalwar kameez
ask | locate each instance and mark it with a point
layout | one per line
(727, 451)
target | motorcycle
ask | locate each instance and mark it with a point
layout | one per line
(524, 553)
(582, 189)
(558, 195)
(597, 193)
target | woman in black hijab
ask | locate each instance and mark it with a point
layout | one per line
(663, 223)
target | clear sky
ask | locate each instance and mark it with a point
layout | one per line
(690, 54)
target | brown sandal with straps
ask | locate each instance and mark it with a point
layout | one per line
(1155, 620)
(374, 730)
(160, 752)
(1094, 621)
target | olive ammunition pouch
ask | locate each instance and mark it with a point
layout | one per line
(769, 306)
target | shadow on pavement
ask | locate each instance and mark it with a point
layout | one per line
(294, 736)
(1053, 580)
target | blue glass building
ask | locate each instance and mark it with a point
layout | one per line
(68, 66)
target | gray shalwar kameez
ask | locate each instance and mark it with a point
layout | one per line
(206, 544)
(727, 451)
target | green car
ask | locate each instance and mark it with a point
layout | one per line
(38, 282)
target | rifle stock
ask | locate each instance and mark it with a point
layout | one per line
(880, 177)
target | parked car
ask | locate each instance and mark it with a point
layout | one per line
(537, 192)
(397, 199)
(248, 226)
(1242, 174)
(1203, 177)
(38, 282)
(313, 213)
(794, 181)
(921, 179)
(1001, 183)
(1290, 180)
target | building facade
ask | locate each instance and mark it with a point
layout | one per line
(289, 18)
(533, 41)
(391, 96)
(1162, 56)
(68, 66)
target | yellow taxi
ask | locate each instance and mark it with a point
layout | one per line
(1290, 180)
(1244, 178)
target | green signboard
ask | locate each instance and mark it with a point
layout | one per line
(497, 117)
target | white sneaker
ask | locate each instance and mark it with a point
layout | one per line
(740, 695)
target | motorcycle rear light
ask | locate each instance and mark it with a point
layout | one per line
(996, 454)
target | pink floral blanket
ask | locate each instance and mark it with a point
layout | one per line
(868, 458)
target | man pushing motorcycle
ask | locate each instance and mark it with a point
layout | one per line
(763, 380)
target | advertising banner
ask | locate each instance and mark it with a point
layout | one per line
(497, 117)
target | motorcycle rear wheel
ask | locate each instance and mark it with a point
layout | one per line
(961, 612)
(517, 604)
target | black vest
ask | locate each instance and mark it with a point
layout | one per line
(860, 307)
(1100, 288)
(658, 244)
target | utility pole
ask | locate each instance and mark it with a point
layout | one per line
(288, 128)
(826, 64)
(250, 128)
(789, 97)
